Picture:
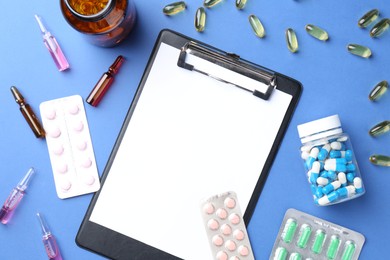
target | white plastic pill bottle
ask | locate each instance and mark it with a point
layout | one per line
(329, 161)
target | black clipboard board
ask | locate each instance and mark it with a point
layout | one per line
(185, 163)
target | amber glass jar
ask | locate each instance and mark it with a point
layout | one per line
(103, 22)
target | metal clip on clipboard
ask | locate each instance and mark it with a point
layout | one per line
(247, 76)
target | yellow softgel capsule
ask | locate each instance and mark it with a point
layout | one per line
(381, 160)
(378, 91)
(211, 3)
(379, 28)
(292, 40)
(380, 129)
(368, 18)
(174, 8)
(317, 32)
(257, 26)
(200, 19)
(359, 50)
(240, 4)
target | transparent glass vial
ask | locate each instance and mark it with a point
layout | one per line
(104, 23)
(329, 161)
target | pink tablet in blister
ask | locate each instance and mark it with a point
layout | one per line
(70, 146)
(225, 228)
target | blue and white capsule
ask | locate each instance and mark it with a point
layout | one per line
(337, 146)
(322, 181)
(331, 187)
(357, 182)
(325, 200)
(342, 178)
(312, 157)
(347, 191)
(351, 176)
(325, 149)
(315, 172)
(332, 175)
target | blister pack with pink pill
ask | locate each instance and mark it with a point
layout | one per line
(225, 227)
(70, 146)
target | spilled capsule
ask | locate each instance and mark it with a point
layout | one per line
(240, 4)
(257, 26)
(380, 160)
(378, 90)
(292, 40)
(200, 19)
(174, 8)
(380, 27)
(211, 3)
(359, 50)
(368, 18)
(380, 128)
(317, 32)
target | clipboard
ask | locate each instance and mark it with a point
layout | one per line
(202, 122)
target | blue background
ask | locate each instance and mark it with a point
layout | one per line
(334, 81)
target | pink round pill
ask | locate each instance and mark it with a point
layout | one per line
(78, 126)
(81, 145)
(222, 255)
(62, 168)
(58, 149)
(217, 240)
(54, 132)
(86, 163)
(73, 109)
(89, 179)
(226, 229)
(65, 185)
(230, 202)
(234, 218)
(222, 213)
(230, 245)
(213, 224)
(239, 234)
(243, 250)
(208, 208)
(50, 113)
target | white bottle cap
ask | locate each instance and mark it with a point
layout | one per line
(320, 128)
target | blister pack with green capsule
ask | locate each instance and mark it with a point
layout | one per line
(303, 236)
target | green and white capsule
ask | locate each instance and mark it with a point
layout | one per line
(378, 91)
(317, 32)
(292, 40)
(257, 26)
(359, 50)
(380, 129)
(379, 28)
(368, 18)
(240, 4)
(381, 160)
(200, 19)
(211, 3)
(174, 8)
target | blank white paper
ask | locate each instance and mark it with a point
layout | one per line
(190, 137)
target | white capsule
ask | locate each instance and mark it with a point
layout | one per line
(357, 182)
(314, 152)
(342, 139)
(322, 181)
(305, 155)
(316, 167)
(306, 148)
(337, 146)
(342, 178)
